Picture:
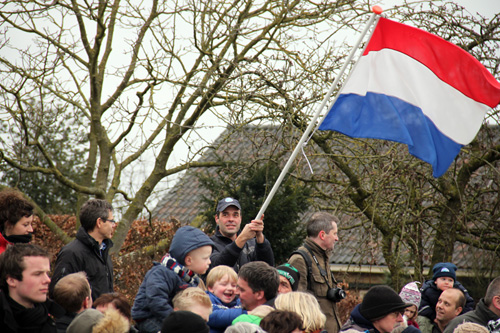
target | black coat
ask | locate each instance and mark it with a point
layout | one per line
(8, 314)
(83, 254)
(226, 252)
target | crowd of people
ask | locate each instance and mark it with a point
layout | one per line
(224, 283)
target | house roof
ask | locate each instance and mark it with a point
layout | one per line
(250, 143)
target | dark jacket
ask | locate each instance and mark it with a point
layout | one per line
(15, 318)
(358, 323)
(223, 314)
(226, 252)
(430, 295)
(63, 322)
(481, 315)
(318, 285)
(162, 282)
(83, 254)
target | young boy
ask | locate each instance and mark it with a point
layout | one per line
(221, 284)
(189, 255)
(444, 278)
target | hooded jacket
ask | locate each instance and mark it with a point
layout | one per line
(162, 282)
(83, 254)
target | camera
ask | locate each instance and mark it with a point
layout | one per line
(494, 326)
(335, 294)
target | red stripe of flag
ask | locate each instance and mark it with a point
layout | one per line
(450, 63)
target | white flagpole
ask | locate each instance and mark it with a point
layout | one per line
(376, 11)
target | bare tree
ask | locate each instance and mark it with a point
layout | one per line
(142, 78)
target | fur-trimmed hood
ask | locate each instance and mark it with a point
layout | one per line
(112, 322)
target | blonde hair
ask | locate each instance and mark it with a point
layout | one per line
(185, 299)
(470, 328)
(304, 304)
(218, 272)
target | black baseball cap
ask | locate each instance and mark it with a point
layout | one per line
(226, 202)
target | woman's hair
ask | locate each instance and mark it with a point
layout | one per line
(306, 306)
(218, 272)
(280, 321)
(13, 207)
(119, 301)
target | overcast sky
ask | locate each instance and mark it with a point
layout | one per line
(484, 7)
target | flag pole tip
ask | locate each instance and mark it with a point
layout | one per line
(377, 10)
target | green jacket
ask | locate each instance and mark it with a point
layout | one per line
(318, 285)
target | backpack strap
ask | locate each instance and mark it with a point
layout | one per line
(308, 261)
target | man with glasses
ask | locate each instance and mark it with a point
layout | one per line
(379, 311)
(89, 251)
(486, 313)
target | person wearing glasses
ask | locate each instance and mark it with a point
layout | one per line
(89, 251)
(379, 312)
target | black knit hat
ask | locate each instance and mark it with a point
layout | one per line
(184, 321)
(291, 274)
(379, 301)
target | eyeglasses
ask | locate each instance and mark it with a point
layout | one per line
(112, 221)
(401, 312)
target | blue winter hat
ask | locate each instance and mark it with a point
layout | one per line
(444, 269)
(185, 240)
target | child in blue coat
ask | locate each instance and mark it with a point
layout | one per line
(443, 278)
(226, 306)
(189, 255)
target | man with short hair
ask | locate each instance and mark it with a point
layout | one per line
(72, 292)
(257, 284)
(89, 251)
(450, 304)
(24, 285)
(487, 311)
(233, 247)
(315, 273)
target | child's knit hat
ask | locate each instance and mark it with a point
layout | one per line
(411, 294)
(442, 269)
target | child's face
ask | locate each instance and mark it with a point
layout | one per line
(225, 289)
(411, 312)
(444, 282)
(198, 260)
